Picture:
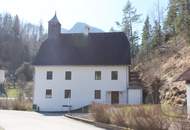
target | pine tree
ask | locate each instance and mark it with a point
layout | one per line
(178, 18)
(185, 17)
(130, 17)
(157, 35)
(41, 31)
(16, 27)
(135, 45)
(7, 25)
(146, 36)
(171, 16)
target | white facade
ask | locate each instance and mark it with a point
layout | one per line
(82, 86)
(188, 99)
(137, 99)
(2, 76)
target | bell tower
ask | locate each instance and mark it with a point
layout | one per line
(54, 28)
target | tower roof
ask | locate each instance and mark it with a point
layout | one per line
(54, 19)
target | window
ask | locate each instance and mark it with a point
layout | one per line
(67, 93)
(114, 75)
(98, 75)
(48, 93)
(97, 94)
(68, 75)
(49, 75)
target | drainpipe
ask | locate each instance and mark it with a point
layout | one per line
(127, 83)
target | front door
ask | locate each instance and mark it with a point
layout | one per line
(114, 97)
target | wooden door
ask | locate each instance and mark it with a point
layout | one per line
(114, 97)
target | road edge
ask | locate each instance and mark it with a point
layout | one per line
(98, 124)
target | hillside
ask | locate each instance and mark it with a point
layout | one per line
(166, 64)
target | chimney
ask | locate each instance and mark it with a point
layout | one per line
(86, 30)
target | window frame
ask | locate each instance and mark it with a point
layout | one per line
(67, 95)
(112, 75)
(49, 75)
(66, 75)
(48, 95)
(98, 77)
(97, 94)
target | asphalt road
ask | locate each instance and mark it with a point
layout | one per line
(20, 120)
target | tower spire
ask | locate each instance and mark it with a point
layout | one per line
(55, 19)
(55, 14)
(54, 27)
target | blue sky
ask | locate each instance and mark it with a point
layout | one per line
(98, 13)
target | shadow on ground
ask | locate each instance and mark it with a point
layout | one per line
(53, 113)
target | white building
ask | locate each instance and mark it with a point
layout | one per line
(2, 76)
(76, 69)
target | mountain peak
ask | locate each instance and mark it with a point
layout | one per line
(79, 27)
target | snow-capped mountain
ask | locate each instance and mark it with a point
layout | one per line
(80, 28)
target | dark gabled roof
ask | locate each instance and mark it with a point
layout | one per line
(79, 49)
(185, 76)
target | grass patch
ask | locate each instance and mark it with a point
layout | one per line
(138, 117)
(166, 110)
(12, 92)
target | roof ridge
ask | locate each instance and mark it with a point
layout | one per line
(94, 33)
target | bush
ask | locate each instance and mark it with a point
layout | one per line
(100, 113)
(25, 72)
(147, 118)
(136, 117)
(4, 104)
(119, 117)
(180, 124)
(24, 105)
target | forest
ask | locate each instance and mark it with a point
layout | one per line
(157, 29)
(161, 52)
(19, 41)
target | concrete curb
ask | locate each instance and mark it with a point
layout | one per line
(98, 124)
(79, 119)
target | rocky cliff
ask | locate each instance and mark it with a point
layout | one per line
(167, 63)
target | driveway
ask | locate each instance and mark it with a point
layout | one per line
(19, 120)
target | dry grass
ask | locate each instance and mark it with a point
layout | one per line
(24, 105)
(100, 113)
(118, 117)
(140, 117)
